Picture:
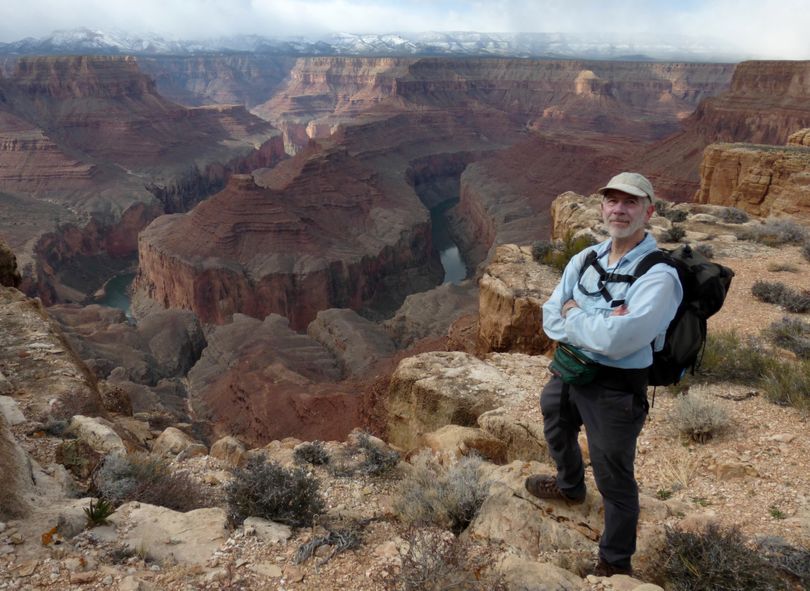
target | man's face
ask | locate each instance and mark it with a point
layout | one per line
(625, 215)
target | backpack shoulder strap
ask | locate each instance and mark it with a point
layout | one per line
(651, 259)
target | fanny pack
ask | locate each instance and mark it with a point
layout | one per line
(572, 366)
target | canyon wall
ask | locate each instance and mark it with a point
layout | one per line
(762, 180)
(767, 101)
(90, 153)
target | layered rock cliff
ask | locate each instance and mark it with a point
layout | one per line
(762, 180)
(767, 101)
(90, 153)
(284, 247)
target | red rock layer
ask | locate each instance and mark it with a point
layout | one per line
(90, 153)
(321, 235)
(767, 101)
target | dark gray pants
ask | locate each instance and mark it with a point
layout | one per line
(613, 411)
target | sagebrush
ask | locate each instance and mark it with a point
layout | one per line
(366, 456)
(270, 491)
(775, 292)
(557, 254)
(148, 479)
(312, 452)
(437, 562)
(791, 334)
(732, 215)
(446, 496)
(697, 416)
(674, 234)
(777, 231)
(715, 559)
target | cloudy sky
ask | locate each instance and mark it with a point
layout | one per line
(763, 28)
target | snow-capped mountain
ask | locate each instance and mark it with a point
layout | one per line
(557, 45)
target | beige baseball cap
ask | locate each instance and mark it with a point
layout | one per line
(632, 183)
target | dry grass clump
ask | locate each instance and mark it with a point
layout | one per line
(270, 491)
(728, 359)
(705, 249)
(789, 385)
(674, 234)
(437, 561)
(775, 292)
(777, 231)
(697, 416)
(732, 215)
(148, 479)
(777, 267)
(715, 559)
(557, 254)
(791, 334)
(368, 456)
(446, 496)
(312, 452)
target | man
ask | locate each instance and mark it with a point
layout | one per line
(613, 324)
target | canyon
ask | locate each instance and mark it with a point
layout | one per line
(300, 193)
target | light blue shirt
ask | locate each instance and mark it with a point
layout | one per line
(617, 341)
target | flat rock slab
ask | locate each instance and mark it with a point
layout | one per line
(170, 536)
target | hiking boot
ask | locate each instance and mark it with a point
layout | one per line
(605, 569)
(543, 486)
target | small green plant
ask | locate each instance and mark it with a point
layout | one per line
(776, 513)
(791, 334)
(98, 513)
(774, 292)
(448, 497)
(701, 501)
(270, 491)
(777, 231)
(561, 252)
(715, 559)
(148, 479)
(674, 234)
(732, 215)
(663, 494)
(697, 417)
(540, 249)
(311, 453)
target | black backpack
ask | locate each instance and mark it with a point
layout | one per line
(705, 285)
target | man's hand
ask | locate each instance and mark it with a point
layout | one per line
(567, 306)
(620, 311)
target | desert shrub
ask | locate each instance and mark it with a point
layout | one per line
(449, 497)
(789, 385)
(775, 292)
(705, 249)
(437, 561)
(661, 207)
(727, 359)
(787, 558)
(270, 491)
(561, 251)
(698, 417)
(676, 215)
(311, 453)
(791, 334)
(777, 231)
(674, 234)
(540, 249)
(148, 479)
(732, 215)
(715, 560)
(365, 457)
(782, 268)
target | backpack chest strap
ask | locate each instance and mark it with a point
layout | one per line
(591, 260)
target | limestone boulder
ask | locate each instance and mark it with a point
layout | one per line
(431, 390)
(172, 442)
(520, 574)
(171, 537)
(574, 214)
(522, 439)
(230, 450)
(461, 441)
(98, 433)
(513, 289)
(16, 474)
(268, 532)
